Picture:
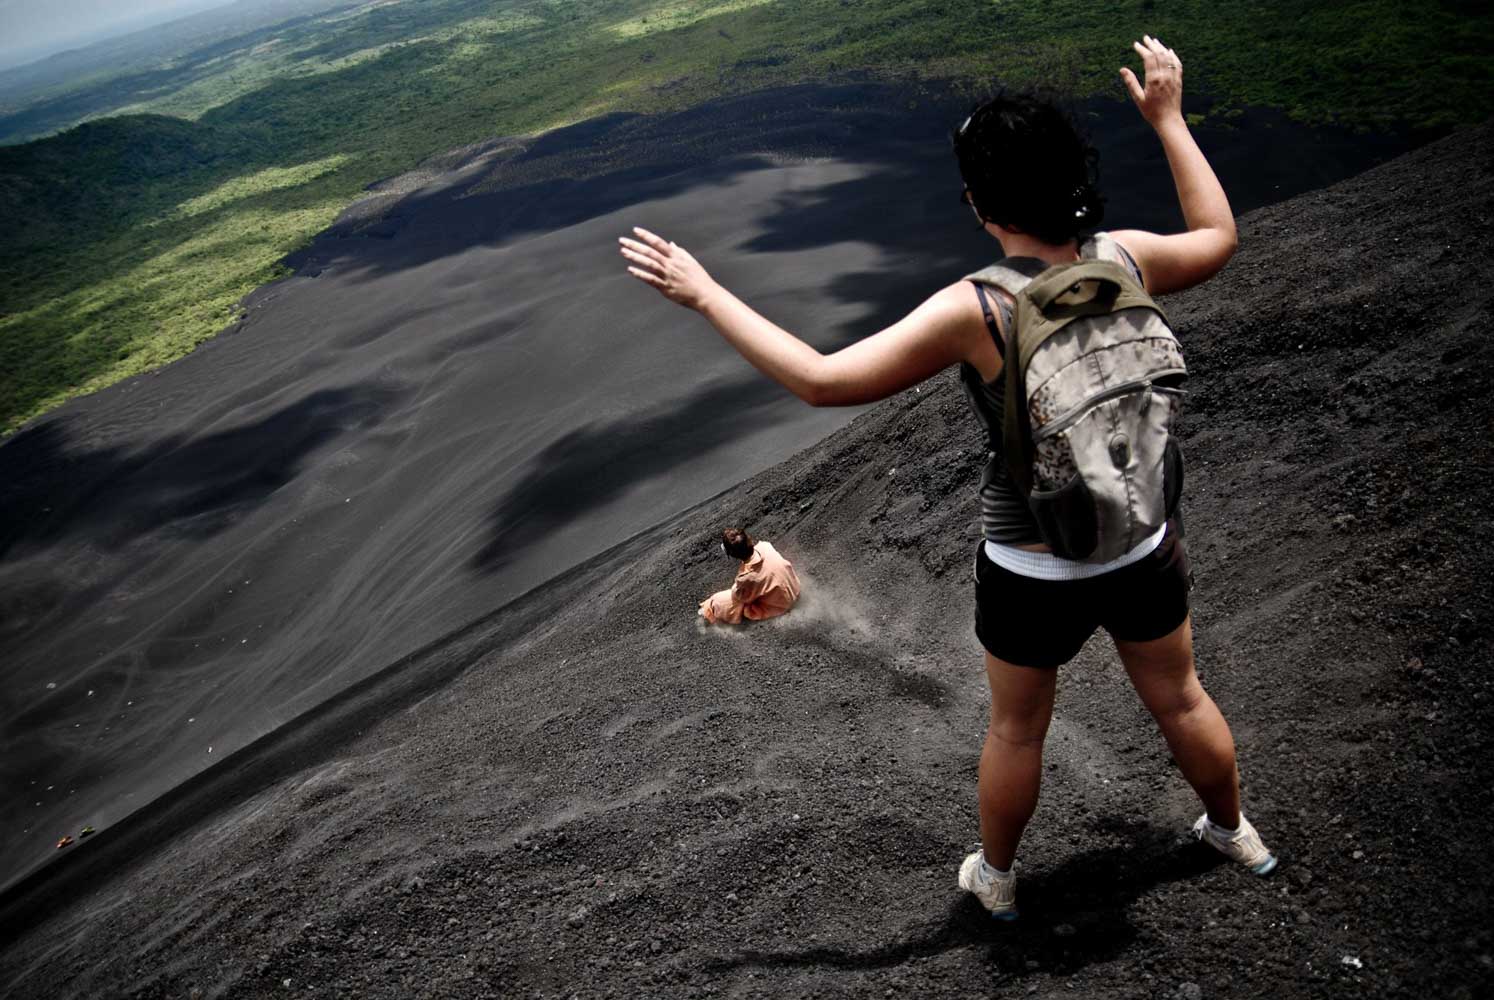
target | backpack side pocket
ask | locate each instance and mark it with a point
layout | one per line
(1172, 475)
(1066, 518)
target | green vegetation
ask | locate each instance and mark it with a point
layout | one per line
(99, 79)
(130, 238)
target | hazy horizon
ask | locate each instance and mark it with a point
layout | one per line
(32, 30)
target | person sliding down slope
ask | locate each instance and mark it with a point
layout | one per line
(1030, 180)
(766, 585)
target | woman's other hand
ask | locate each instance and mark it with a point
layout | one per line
(1160, 99)
(1180, 260)
(671, 269)
(934, 336)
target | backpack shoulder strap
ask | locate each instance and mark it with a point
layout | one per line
(1101, 246)
(1010, 274)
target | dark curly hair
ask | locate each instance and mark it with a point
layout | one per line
(737, 543)
(1026, 167)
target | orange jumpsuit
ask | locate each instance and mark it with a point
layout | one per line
(766, 586)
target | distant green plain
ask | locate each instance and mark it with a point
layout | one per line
(130, 239)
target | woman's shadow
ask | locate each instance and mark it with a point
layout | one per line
(1071, 916)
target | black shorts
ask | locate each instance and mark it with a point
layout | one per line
(1043, 623)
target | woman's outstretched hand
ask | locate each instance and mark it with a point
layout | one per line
(1176, 261)
(669, 268)
(1161, 98)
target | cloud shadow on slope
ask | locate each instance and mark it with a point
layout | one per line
(589, 466)
(194, 486)
(503, 192)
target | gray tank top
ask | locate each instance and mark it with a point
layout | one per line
(1004, 515)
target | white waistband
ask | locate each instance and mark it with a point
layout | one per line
(1047, 566)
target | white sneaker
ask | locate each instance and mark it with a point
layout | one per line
(996, 892)
(1242, 845)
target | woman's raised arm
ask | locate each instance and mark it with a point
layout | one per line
(1172, 263)
(927, 340)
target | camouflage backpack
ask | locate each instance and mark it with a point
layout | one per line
(1093, 375)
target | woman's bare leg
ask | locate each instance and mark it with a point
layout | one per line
(1162, 673)
(1011, 764)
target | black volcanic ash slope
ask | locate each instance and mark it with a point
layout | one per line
(616, 802)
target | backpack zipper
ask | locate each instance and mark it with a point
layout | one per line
(1125, 388)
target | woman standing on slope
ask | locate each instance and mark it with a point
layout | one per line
(1029, 179)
